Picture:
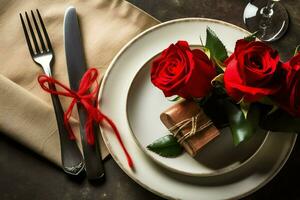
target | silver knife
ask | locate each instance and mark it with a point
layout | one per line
(76, 68)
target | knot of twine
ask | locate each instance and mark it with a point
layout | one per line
(189, 122)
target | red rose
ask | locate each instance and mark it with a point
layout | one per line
(288, 97)
(251, 71)
(183, 72)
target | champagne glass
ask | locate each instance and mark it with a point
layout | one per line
(270, 20)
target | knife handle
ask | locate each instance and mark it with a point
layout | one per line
(72, 161)
(92, 154)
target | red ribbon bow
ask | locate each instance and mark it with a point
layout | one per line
(89, 101)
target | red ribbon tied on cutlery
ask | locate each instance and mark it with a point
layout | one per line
(89, 101)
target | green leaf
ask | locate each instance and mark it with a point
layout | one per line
(269, 102)
(206, 51)
(219, 90)
(251, 37)
(297, 50)
(274, 108)
(166, 146)
(201, 42)
(266, 101)
(215, 46)
(203, 100)
(220, 66)
(214, 109)
(280, 121)
(176, 98)
(245, 106)
(241, 128)
(219, 79)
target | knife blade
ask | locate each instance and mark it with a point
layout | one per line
(76, 68)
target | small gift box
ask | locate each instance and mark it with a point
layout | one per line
(190, 125)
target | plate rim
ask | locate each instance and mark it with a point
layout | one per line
(109, 147)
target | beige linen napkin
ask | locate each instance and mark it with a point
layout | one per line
(26, 112)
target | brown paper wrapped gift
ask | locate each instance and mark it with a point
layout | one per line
(190, 125)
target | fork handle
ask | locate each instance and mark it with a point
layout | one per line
(72, 160)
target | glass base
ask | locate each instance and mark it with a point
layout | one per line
(269, 26)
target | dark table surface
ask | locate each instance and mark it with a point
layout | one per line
(25, 175)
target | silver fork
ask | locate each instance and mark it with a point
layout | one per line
(43, 55)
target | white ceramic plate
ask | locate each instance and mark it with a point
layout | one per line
(144, 105)
(114, 92)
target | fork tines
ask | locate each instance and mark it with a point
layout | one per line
(38, 49)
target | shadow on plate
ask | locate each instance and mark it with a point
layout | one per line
(216, 157)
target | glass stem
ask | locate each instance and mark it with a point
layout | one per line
(268, 9)
(266, 13)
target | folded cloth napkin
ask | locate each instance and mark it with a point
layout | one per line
(26, 112)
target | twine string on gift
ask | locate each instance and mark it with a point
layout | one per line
(191, 123)
(89, 101)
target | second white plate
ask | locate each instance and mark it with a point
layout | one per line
(144, 105)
